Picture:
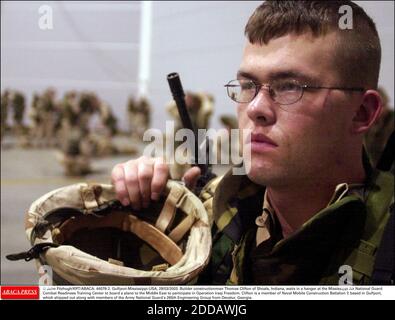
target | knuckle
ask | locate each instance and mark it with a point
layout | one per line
(129, 164)
(131, 178)
(162, 168)
(145, 174)
(117, 172)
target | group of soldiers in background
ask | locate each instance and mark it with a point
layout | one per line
(74, 131)
(65, 124)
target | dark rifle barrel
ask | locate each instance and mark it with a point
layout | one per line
(179, 97)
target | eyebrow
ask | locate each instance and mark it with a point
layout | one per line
(280, 75)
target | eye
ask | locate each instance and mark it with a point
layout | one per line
(286, 86)
(247, 85)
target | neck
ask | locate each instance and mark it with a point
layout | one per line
(296, 203)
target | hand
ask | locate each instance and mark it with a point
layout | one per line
(139, 181)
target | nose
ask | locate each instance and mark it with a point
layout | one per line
(261, 110)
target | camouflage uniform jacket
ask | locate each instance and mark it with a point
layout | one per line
(346, 232)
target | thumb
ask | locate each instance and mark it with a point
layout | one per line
(191, 177)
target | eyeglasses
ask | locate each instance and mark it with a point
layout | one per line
(284, 92)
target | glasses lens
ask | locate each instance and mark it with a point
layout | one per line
(286, 92)
(241, 91)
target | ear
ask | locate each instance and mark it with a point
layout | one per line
(367, 112)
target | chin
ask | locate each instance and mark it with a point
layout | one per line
(260, 175)
(259, 180)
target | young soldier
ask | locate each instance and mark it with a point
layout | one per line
(310, 204)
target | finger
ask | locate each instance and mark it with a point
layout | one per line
(132, 184)
(160, 177)
(118, 181)
(191, 177)
(145, 173)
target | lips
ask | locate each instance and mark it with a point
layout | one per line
(261, 138)
(261, 143)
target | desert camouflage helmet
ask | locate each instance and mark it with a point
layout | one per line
(87, 237)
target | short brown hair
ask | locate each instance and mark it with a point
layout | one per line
(358, 53)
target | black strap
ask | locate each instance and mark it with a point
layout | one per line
(384, 267)
(51, 218)
(33, 253)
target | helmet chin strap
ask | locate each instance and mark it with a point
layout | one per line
(33, 253)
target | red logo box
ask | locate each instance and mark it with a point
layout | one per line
(24, 292)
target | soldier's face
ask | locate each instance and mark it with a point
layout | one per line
(291, 143)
